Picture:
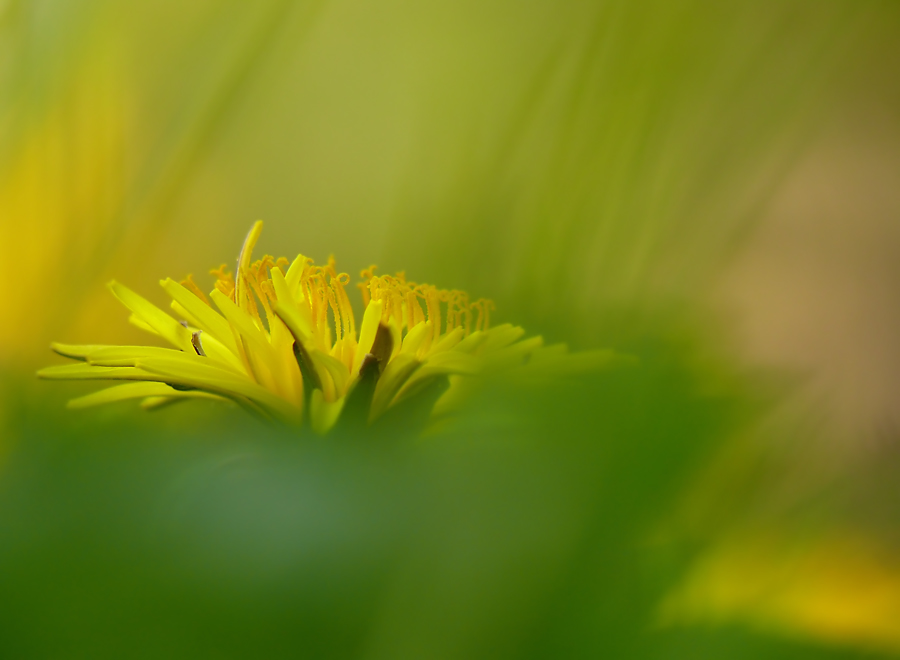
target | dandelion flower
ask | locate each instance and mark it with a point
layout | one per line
(279, 338)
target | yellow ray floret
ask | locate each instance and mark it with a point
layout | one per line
(279, 337)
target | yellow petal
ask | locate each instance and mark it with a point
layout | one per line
(241, 291)
(137, 322)
(76, 352)
(263, 360)
(391, 380)
(460, 390)
(289, 378)
(241, 321)
(512, 356)
(453, 362)
(414, 338)
(217, 352)
(336, 369)
(500, 336)
(83, 371)
(207, 318)
(125, 356)
(154, 402)
(183, 315)
(291, 318)
(167, 327)
(472, 343)
(367, 332)
(248, 395)
(293, 275)
(202, 375)
(448, 341)
(323, 414)
(135, 391)
(301, 316)
(442, 364)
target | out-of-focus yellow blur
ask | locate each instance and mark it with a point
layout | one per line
(843, 588)
(62, 189)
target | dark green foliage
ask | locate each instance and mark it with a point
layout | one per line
(525, 531)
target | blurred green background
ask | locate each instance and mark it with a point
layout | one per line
(711, 187)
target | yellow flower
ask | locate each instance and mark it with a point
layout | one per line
(284, 338)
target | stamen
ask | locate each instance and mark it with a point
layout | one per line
(224, 280)
(263, 299)
(367, 274)
(190, 285)
(400, 300)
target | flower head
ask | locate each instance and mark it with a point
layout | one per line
(280, 339)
